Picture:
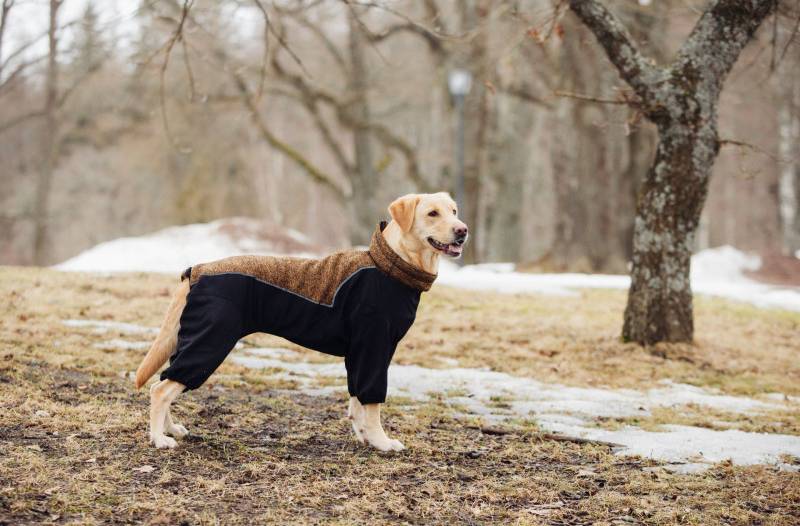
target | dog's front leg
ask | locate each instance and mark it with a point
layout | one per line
(373, 432)
(162, 394)
(355, 412)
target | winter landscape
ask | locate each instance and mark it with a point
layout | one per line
(602, 197)
(719, 415)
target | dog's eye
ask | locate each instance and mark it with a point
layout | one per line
(433, 213)
(454, 211)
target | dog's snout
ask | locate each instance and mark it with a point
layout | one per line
(460, 234)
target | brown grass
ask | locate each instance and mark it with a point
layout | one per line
(72, 430)
(783, 421)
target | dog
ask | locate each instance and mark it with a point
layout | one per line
(355, 304)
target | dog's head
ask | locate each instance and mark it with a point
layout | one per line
(430, 221)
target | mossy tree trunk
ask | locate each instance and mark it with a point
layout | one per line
(682, 100)
(668, 212)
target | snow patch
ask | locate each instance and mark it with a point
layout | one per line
(271, 352)
(570, 410)
(556, 408)
(102, 326)
(526, 395)
(683, 443)
(122, 344)
(173, 249)
(715, 272)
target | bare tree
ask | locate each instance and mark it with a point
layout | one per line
(351, 110)
(5, 10)
(682, 100)
(788, 91)
(49, 138)
(365, 175)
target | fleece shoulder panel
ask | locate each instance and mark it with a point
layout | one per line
(314, 279)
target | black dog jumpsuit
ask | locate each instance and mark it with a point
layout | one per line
(355, 304)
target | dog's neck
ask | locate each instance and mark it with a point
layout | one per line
(411, 250)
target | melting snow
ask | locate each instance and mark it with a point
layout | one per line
(715, 272)
(175, 248)
(101, 326)
(122, 344)
(569, 410)
(555, 407)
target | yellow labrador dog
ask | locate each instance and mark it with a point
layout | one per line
(355, 304)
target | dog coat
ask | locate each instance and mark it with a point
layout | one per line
(355, 304)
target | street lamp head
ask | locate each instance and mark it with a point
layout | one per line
(459, 81)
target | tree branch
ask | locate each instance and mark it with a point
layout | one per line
(5, 9)
(281, 146)
(730, 21)
(176, 35)
(754, 148)
(279, 36)
(433, 42)
(345, 117)
(322, 37)
(590, 98)
(619, 46)
(27, 45)
(20, 119)
(523, 93)
(789, 40)
(250, 103)
(501, 431)
(21, 67)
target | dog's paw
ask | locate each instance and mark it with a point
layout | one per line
(178, 431)
(396, 445)
(163, 442)
(386, 444)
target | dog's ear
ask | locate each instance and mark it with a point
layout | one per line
(402, 210)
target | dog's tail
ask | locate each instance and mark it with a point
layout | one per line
(167, 338)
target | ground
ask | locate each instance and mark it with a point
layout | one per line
(73, 443)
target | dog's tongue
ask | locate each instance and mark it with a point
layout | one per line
(454, 249)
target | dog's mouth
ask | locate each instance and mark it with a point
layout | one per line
(451, 249)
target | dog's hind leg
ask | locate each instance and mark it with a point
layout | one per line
(171, 428)
(162, 394)
(355, 412)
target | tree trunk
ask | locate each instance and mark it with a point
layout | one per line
(671, 200)
(789, 151)
(49, 142)
(363, 212)
(682, 101)
(472, 17)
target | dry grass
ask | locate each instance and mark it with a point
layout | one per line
(575, 340)
(785, 422)
(261, 452)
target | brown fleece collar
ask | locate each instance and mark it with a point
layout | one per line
(392, 264)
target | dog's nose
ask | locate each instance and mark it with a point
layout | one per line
(460, 234)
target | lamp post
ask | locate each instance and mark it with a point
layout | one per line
(459, 82)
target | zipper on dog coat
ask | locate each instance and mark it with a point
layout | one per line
(354, 304)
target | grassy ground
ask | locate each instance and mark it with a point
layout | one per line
(73, 446)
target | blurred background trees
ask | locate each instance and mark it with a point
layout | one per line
(119, 118)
